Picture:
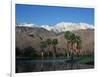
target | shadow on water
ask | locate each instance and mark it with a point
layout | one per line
(48, 65)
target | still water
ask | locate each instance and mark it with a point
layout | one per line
(23, 66)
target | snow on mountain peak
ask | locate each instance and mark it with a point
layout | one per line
(47, 27)
(68, 26)
(61, 27)
(27, 25)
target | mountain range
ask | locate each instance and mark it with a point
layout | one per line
(61, 27)
(29, 35)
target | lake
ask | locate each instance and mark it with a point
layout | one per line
(23, 66)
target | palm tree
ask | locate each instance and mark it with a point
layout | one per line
(54, 43)
(78, 44)
(42, 46)
(69, 36)
(48, 42)
(73, 40)
(74, 44)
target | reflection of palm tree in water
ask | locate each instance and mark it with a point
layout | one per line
(42, 46)
(54, 64)
(41, 66)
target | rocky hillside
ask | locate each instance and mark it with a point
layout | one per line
(28, 36)
(32, 36)
(87, 37)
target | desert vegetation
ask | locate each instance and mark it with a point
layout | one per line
(48, 48)
(45, 50)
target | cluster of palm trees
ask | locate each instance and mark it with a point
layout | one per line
(47, 44)
(73, 44)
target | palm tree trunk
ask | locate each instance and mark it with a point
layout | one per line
(42, 54)
(68, 50)
(54, 51)
(48, 49)
(72, 51)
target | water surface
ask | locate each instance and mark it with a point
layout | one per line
(48, 65)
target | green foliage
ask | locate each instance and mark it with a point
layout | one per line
(68, 35)
(49, 41)
(73, 39)
(78, 41)
(54, 41)
(29, 52)
(85, 59)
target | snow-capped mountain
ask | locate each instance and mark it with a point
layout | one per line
(62, 26)
(47, 27)
(65, 26)
(27, 25)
